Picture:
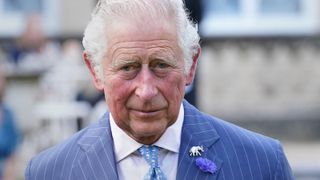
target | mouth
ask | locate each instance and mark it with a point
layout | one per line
(145, 113)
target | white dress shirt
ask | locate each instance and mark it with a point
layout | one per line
(132, 166)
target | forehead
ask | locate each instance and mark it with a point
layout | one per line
(142, 31)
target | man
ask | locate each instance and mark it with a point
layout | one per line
(142, 54)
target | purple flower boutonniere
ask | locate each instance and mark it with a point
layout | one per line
(206, 165)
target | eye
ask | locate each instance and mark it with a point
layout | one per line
(129, 67)
(129, 71)
(162, 65)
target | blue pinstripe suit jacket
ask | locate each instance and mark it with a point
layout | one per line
(239, 154)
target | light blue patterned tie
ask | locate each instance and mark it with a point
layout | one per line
(150, 154)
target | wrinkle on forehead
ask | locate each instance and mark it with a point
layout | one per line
(143, 26)
(128, 39)
(142, 44)
(143, 51)
(128, 34)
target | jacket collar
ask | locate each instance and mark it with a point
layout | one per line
(197, 131)
(97, 157)
(97, 144)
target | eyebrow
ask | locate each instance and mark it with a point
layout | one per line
(124, 61)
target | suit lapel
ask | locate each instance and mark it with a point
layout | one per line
(196, 131)
(97, 160)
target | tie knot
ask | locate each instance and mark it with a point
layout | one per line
(150, 153)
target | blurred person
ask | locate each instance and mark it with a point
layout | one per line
(60, 86)
(142, 54)
(64, 79)
(8, 135)
(32, 40)
(32, 51)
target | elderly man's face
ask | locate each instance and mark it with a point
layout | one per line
(144, 77)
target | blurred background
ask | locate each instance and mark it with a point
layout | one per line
(259, 68)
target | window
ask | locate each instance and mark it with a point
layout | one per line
(14, 14)
(24, 6)
(229, 18)
(280, 6)
(222, 6)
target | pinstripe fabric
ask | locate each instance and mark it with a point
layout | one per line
(238, 154)
(87, 155)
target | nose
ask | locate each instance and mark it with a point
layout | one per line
(146, 86)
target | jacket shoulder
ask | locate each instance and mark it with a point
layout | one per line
(58, 160)
(245, 154)
(260, 155)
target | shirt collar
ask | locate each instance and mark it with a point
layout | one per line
(124, 145)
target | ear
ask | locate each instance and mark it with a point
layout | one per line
(96, 79)
(192, 70)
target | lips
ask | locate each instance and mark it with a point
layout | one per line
(145, 113)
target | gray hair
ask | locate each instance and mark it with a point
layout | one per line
(94, 40)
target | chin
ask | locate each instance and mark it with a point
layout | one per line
(147, 140)
(147, 136)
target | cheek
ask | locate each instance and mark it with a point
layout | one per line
(173, 87)
(117, 93)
